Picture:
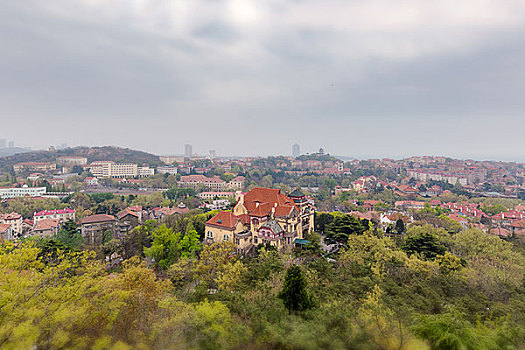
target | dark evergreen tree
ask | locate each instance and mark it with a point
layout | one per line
(426, 244)
(69, 235)
(294, 293)
(343, 226)
(400, 226)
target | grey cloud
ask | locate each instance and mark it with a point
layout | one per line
(157, 75)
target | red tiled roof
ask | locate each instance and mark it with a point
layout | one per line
(97, 218)
(53, 212)
(500, 231)
(518, 224)
(284, 210)
(260, 201)
(11, 216)
(4, 227)
(46, 224)
(126, 212)
(224, 219)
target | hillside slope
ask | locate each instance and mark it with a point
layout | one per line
(116, 154)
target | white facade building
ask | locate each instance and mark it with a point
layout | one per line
(145, 171)
(112, 169)
(167, 170)
(12, 192)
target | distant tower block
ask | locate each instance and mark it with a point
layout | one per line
(11, 144)
(296, 150)
(3, 143)
(188, 152)
(213, 154)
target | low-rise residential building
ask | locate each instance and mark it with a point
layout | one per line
(214, 194)
(6, 232)
(417, 205)
(60, 215)
(214, 183)
(237, 183)
(96, 227)
(72, 161)
(25, 191)
(27, 226)
(167, 170)
(145, 171)
(34, 166)
(161, 212)
(171, 159)
(91, 181)
(35, 177)
(46, 228)
(128, 219)
(14, 220)
(217, 204)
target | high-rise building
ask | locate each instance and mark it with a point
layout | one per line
(187, 151)
(213, 154)
(11, 144)
(296, 150)
(2, 143)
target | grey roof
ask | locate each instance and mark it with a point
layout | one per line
(274, 226)
(296, 193)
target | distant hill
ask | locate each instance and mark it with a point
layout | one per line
(4, 152)
(116, 154)
(317, 156)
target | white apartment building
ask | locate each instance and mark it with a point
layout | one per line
(145, 171)
(212, 195)
(71, 161)
(59, 215)
(112, 169)
(12, 192)
(167, 170)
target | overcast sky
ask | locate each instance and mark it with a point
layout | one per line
(367, 78)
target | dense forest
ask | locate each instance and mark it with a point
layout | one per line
(421, 288)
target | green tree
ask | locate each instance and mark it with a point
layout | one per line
(165, 247)
(400, 226)
(190, 245)
(426, 244)
(343, 226)
(294, 294)
(70, 236)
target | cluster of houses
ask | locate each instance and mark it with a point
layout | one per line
(44, 223)
(507, 223)
(47, 223)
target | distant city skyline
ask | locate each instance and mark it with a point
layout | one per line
(202, 151)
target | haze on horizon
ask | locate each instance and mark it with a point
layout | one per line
(363, 79)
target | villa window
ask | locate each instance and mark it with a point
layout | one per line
(210, 234)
